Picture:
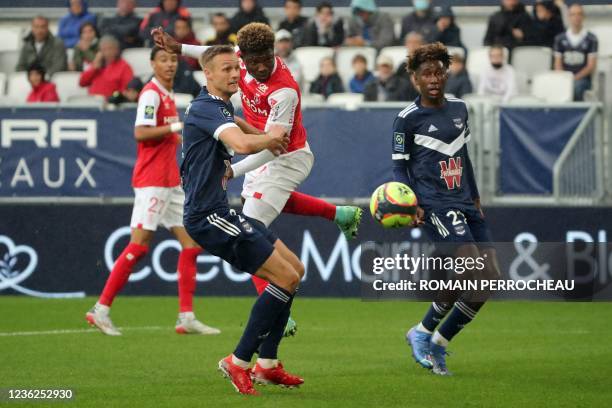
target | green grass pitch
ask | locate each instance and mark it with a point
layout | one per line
(351, 354)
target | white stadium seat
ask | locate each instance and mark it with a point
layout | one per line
(11, 38)
(532, 60)
(456, 51)
(138, 58)
(309, 59)
(554, 86)
(67, 84)
(8, 61)
(199, 77)
(312, 99)
(397, 53)
(473, 34)
(18, 87)
(87, 100)
(182, 100)
(347, 99)
(206, 33)
(604, 37)
(477, 61)
(2, 83)
(344, 60)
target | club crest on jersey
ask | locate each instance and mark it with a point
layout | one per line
(399, 142)
(149, 112)
(262, 88)
(458, 123)
(247, 227)
(451, 172)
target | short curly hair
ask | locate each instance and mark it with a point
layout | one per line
(256, 38)
(429, 52)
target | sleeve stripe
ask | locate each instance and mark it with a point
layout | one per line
(222, 128)
(399, 156)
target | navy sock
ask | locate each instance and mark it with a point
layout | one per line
(269, 347)
(435, 314)
(462, 314)
(267, 309)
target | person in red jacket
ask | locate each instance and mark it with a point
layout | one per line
(108, 72)
(42, 91)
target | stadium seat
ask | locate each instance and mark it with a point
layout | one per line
(456, 51)
(397, 54)
(525, 100)
(472, 34)
(344, 60)
(18, 86)
(553, 86)
(67, 84)
(309, 58)
(182, 100)
(348, 100)
(138, 58)
(478, 60)
(604, 37)
(2, 83)
(532, 60)
(86, 100)
(11, 38)
(199, 77)
(205, 33)
(8, 61)
(312, 99)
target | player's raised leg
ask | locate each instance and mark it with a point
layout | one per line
(187, 322)
(99, 314)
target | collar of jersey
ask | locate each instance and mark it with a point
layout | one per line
(161, 87)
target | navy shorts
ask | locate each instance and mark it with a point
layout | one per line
(243, 242)
(456, 226)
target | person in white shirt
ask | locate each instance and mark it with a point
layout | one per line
(498, 79)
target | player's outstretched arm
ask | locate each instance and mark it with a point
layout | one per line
(144, 133)
(164, 40)
(275, 140)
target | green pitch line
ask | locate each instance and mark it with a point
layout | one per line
(351, 354)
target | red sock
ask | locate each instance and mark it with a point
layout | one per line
(303, 204)
(260, 284)
(121, 271)
(187, 277)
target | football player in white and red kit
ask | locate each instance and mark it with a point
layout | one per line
(270, 96)
(158, 199)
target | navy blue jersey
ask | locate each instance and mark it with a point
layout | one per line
(430, 154)
(574, 56)
(205, 157)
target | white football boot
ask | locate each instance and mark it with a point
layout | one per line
(188, 324)
(98, 316)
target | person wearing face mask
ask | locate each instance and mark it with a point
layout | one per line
(422, 20)
(499, 79)
(369, 27)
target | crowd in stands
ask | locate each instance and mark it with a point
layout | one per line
(97, 44)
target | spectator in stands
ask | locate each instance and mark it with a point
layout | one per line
(184, 82)
(223, 31)
(249, 12)
(294, 21)
(324, 30)
(412, 41)
(368, 26)
(184, 34)
(125, 25)
(283, 47)
(576, 52)
(86, 49)
(70, 25)
(328, 82)
(362, 74)
(42, 47)
(511, 26)
(445, 30)
(108, 72)
(164, 15)
(387, 86)
(422, 20)
(548, 23)
(129, 95)
(458, 83)
(498, 79)
(42, 90)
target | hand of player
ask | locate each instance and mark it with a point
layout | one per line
(279, 140)
(419, 219)
(165, 41)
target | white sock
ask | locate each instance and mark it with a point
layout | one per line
(438, 339)
(187, 315)
(423, 329)
(240, 363)
(267, 362)
(102, 309)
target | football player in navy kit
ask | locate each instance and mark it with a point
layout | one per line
(430, 155)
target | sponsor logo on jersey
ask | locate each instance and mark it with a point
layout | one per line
(262, 88)
(399, 142)
(253, 106)
(149, 111)
(451, 172)
(458, 123)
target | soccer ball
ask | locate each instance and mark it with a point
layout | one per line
(393, 205)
